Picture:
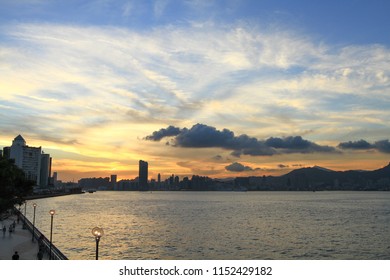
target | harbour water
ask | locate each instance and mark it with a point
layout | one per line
(220, 225)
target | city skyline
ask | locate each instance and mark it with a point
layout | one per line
(219, 89)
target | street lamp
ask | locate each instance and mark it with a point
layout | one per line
(35, 206)
(97, 232)
(24, 218)
(52, 212)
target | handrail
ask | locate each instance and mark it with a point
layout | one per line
(56, 254)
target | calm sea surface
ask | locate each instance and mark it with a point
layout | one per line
(220, 225)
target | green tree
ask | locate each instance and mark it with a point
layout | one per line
(14, 186)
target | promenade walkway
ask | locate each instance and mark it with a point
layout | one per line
(19, 240)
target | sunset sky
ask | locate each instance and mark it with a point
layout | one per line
(214, 88)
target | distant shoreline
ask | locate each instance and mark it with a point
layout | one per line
(39, 196)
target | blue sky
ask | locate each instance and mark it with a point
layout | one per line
(353, 21)
(279, 84)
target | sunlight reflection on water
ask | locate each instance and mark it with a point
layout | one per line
(220, 225)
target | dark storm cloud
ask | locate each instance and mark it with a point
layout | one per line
(238, 167)
(382, 146)
(246, 145)
(164, 132)
(356, 145)
(204, 136)
(293, 144)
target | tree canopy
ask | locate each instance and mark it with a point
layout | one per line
(14, 186)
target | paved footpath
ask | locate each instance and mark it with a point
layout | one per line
(19, 240)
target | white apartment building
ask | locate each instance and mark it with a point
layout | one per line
(35, 164)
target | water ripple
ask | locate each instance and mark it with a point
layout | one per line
(221, 225)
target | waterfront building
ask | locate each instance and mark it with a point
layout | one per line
(94, 183)
(16, 151)
(113, 181)
(55, 178)
(143, 174)
(45, 170)
(127, 185)
(6, 152)
(35, 164)
(158, 184)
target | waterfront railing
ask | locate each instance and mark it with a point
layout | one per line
(44, 243)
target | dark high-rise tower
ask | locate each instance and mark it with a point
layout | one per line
(143, 175)
(113, 182)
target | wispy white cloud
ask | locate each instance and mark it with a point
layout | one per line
(128, 8)
(159, 7)
(258, 81)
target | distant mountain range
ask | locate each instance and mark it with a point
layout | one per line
(319, 178)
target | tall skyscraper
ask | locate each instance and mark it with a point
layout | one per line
(143, 175)
(35, 164)
(113, 182)
(55, 178)
(113, 179)
(45, 170)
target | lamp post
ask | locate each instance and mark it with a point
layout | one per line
(24, 218)
(35, 206)
(52, 212)
(97, 232)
